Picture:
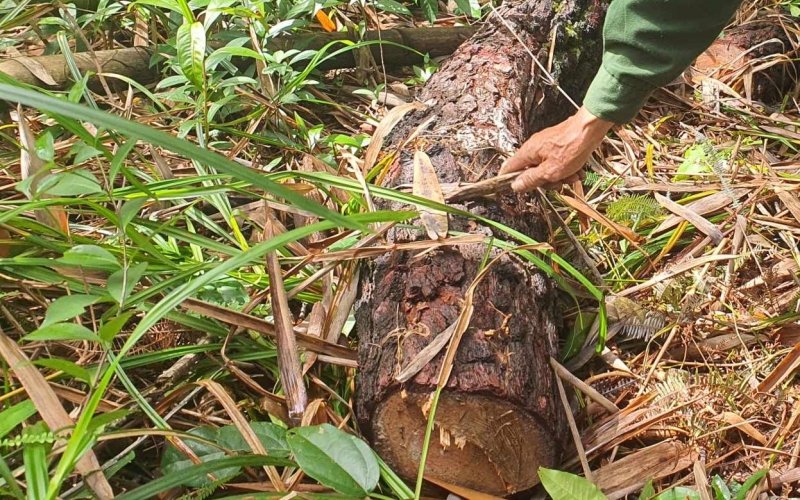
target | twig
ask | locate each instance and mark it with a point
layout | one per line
(576, 436)
(585, 388)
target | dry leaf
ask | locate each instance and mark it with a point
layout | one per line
(736, 420)
(702, 224)
(629, 474)
(241, 423)
(703, 206)
(426, 185)
(385, 127)
(584, 208)
(785, 368)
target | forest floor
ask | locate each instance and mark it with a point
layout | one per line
(690, 216)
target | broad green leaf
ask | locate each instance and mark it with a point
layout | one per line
(164, 4)
(15, 415)
(648, 491)
(226, 52)
(334, 458)
(272, 436)
(190, 43)
(45, 147)
(679, 493)
(112, 327)
(68, 307)
(129, 210)
(392, 6)
(695, 162)
(751, 482)
(68, 367)
(83, 152)
(174, 461)
(574, 343)
(430, 8)
(90, 257)
(565, 486)
(469, 7)
(79, 182)
(120, 283)
(721, 491)
(62, 331)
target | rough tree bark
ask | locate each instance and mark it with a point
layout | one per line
(499, 418)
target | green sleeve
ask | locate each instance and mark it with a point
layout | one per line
(646, 45)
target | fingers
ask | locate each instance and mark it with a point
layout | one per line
(526, 157)
(569, 180)
(542, 175)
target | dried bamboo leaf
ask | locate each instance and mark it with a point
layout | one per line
(702, 224)
(427, 353)
(342, 304)
(35, 67)
(461, 491)
(704, 206)
(265, 327)
(426, 185)
(791, 202)
(241, 423)
(288, 357)
(52, 412)
(701, 480)
(674, 271)
(629, 474)
(383, 130)
(735, 420)
(785, 368)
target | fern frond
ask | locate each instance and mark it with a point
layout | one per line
(29, 438)
(633, 208)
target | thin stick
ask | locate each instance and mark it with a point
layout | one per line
(587, 472)
(582, 386)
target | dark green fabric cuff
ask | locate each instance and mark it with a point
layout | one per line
(612, 100)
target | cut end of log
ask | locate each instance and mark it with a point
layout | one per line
(480, 442)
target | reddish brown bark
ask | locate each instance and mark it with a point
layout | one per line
(500, 411)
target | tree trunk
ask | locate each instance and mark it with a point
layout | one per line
(499, 417)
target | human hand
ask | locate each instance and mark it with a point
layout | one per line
(556, 154)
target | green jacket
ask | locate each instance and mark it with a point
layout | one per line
(646, 45)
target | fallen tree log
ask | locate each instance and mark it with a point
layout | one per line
(755, 59)
(135, 62)
(499, 418)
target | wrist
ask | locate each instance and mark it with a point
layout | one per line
(592, 125)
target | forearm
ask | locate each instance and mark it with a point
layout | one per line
(647, 44)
